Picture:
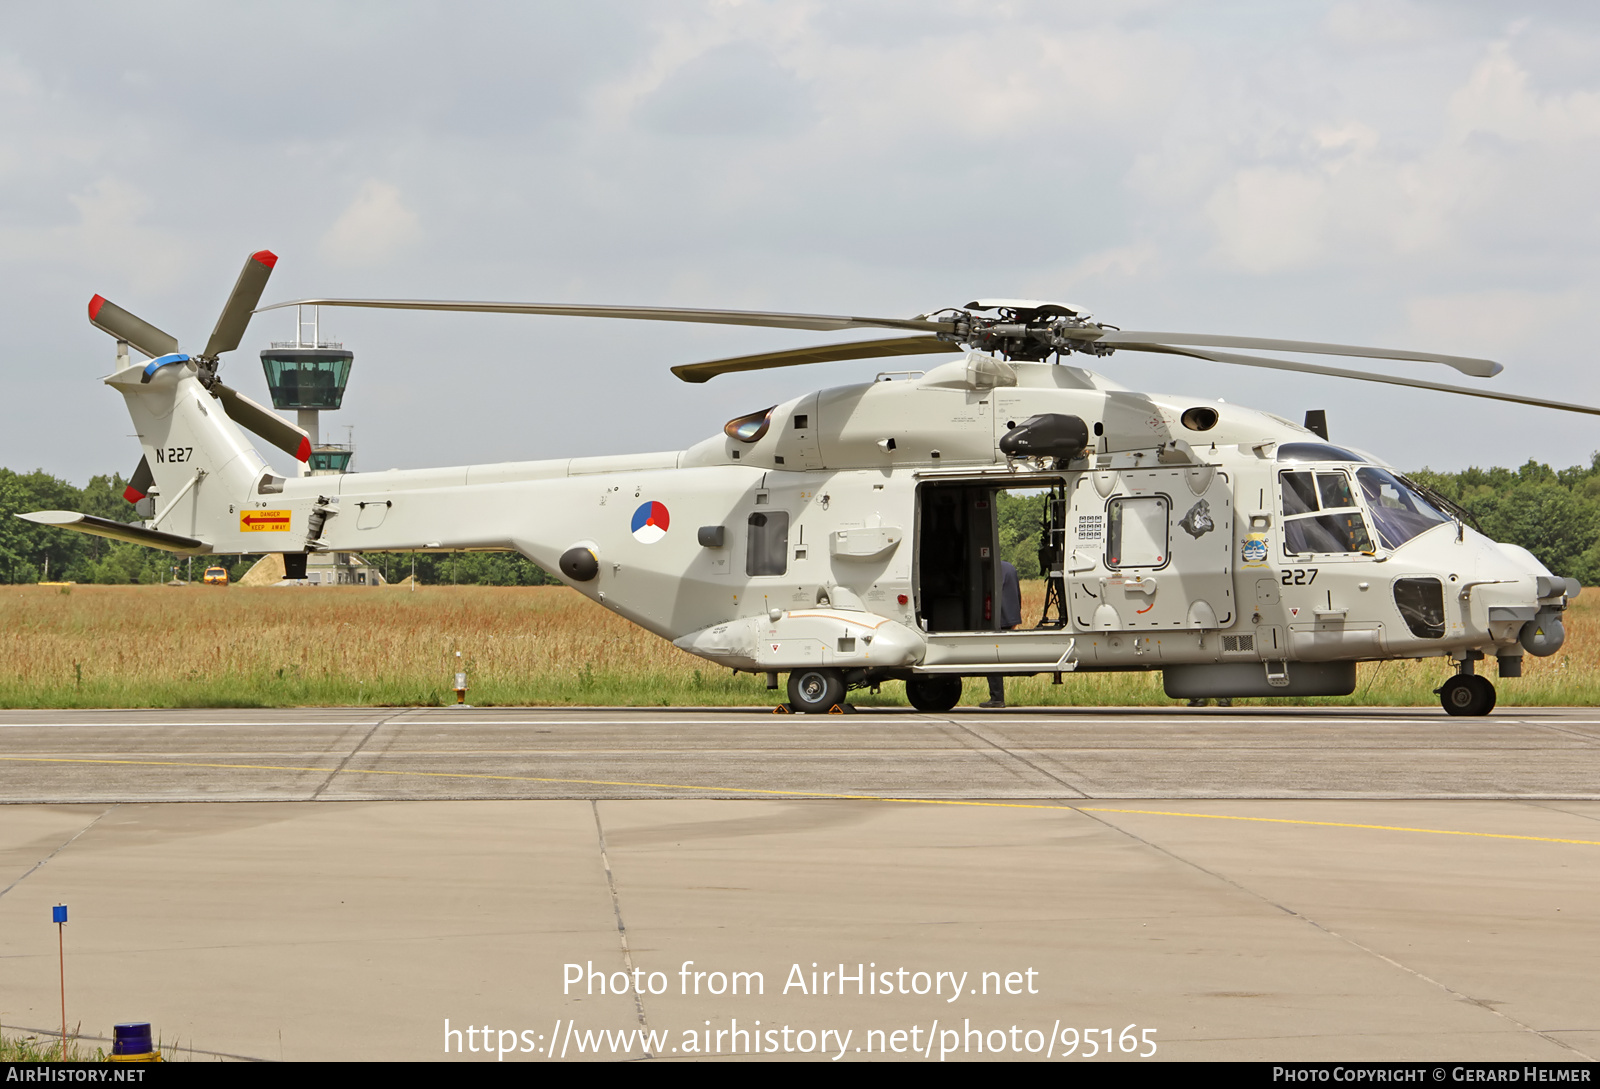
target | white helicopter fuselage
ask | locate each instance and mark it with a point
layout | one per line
(857, 532)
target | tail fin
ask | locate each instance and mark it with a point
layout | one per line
(201, 464)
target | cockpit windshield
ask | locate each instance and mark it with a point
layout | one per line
(1398, 512)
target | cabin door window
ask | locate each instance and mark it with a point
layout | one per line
(767, 537)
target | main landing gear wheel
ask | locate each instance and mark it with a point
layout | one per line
(1467, 695)
(816, 691)
(934, 693)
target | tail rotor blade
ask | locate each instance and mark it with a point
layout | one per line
(246, 293)
(144, 337)
(263, 421)
(139, 485)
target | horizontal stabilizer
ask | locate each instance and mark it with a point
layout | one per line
(117, 531)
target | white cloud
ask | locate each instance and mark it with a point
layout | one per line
(373, 229)
(1364, 24)
(1341, 171)
(1501, 323)
(1268, 219)
(1499, 100)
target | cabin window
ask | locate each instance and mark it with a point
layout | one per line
(1136, 531)
(767, 542)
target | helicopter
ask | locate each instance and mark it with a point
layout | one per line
(848, 537)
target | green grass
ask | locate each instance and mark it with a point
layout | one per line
(155, 646)
(46, 1049)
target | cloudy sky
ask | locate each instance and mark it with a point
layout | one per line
(1407, 174)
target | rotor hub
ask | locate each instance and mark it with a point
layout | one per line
(1029, 333)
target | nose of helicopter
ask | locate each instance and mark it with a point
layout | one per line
(1532, 612)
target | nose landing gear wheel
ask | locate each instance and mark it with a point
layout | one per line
(816, 691)
(1467, 695)
(934, 693)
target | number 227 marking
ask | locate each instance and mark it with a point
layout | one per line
(1300, 576)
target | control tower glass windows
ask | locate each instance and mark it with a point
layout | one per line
(307, 377)
(335, 461)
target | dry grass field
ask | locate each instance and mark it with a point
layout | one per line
(159, 646)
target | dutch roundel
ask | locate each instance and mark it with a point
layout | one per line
(650, 522)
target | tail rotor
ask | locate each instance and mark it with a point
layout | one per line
(162, 347)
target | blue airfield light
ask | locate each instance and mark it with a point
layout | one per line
(58, 914)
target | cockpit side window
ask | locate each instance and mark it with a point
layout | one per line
(1334, 488)
(1299, 493)
(1320, 513)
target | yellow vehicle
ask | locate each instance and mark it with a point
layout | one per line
(215, 576)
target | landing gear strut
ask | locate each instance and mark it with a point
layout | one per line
(1466, 694)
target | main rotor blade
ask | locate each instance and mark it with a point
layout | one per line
(143, 336)
(1477, 368)
(767, 319)
(828, 353)
(241, 304)
(1362, 376)
(264, 422)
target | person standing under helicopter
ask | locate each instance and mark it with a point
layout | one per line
(1010, 617)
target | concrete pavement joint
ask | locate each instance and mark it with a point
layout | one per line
(1589, 739)
(316, 794)
(1017, 757)
(616, 909)
(69, 841)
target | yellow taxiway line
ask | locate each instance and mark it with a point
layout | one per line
(804, 794)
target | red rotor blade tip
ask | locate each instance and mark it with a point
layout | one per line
(266, 257)
(132, 494)
(94, 306)
(304, 453)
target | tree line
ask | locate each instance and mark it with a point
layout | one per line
(1554, 513)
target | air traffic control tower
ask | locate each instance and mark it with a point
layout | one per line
(309, 375)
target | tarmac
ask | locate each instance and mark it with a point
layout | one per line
(1257, 884)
